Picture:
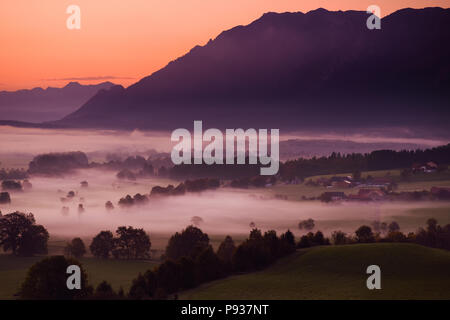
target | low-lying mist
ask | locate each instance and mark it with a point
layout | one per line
(224, 211)
(19, 145)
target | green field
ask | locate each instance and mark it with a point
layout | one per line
(408, 271)
(119, 273)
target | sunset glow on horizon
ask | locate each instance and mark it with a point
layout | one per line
(124, 41)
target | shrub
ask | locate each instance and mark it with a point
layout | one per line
(47, 279)
(75, 248)
(188, 243)
(364, 234)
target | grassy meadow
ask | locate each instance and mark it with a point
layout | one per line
(408, 271)
(119, 273)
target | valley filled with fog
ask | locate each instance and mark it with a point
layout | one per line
(222, 211)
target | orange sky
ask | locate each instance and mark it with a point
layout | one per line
(129, 39)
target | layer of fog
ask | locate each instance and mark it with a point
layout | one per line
(224, 211)
(19, 145)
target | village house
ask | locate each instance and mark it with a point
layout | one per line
(428, 167)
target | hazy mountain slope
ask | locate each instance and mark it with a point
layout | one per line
(295, 70)
(37, 105)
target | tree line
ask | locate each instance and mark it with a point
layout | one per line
(375, 160)
(332, 164)
(189, 259)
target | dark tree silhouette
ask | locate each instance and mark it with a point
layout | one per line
(287, 242)
(169, 276)
(226, 249)
(11, 185)
(393, 227)
(109, 205)
(75, 248)
(144, 286)
(131, 243)
(306, 224)
(102, 244)
(252, 254)
(364, 234)
(209, 266)
(104, 291)
(311, 239)
(189, 273)
(339, 238)
(188, 243)
(20, 234)
(5, 198)
(46, 280)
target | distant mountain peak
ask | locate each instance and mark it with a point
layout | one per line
(37, 104)
(72, 84)
(290, 70)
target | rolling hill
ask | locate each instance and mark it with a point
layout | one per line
(408, 271)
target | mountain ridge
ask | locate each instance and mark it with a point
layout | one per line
(39, 104)
(294, 70)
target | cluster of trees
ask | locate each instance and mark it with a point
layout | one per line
(47, 280)
(196, 185)
(13, 174)
(302, 168)
(307, 224)
(75, 248)
(434, 235)
(259, 250)
(170, 190)
(139, 166)
(313, 239)
(5, 198)
(190, 261)
(129, 243)
(11, 185)
(126, 174)
(199, 185)
(364, 234)
(20, 234)
(376, 160)
(58, 163)
(128, 201)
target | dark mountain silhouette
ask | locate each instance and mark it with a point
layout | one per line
(37, 105)
(295, 70)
